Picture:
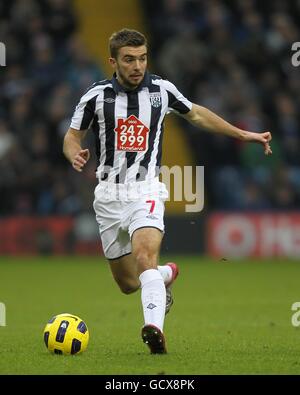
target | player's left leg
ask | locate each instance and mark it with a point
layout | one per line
(146, 243)
(125, 274)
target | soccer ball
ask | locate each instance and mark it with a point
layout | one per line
(66, 334)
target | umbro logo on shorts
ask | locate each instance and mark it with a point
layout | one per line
(150, 216)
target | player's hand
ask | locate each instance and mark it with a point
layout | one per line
(81, 159)
(266, 138)
(262, 138)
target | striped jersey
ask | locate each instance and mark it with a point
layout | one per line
(128, 125)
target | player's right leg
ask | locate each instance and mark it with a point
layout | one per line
(115, 239)
(169, 272)
(124, 271)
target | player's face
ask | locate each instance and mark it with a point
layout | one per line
(130, 65)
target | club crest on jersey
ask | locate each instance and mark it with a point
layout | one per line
(155, 99)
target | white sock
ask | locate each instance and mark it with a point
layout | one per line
(153, 297)
(166, 273)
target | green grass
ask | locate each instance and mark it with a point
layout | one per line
(228, 318)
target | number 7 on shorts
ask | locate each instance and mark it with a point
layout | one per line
(152, 202)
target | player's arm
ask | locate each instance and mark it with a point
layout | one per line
(203, 118)
(72, 149)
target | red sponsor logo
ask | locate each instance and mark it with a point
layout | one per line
(132, 135)
(254, 235)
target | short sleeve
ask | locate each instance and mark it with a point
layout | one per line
(177, 102)
(84, 112)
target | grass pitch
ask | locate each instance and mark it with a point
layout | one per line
(228, 318)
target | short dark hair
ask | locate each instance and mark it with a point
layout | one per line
(125, 38)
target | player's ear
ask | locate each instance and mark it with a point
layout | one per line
(112, 62)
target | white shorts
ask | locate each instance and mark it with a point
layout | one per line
(123, 208)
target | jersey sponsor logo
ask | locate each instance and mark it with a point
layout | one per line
(155, 99)
(132, 135)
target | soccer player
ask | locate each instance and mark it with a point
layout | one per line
(126, 114)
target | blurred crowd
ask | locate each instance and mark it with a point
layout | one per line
(47, 70)
(234, 57)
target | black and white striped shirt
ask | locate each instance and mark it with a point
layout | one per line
(128, 125)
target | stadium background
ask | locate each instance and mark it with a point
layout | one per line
(230, 316)
(232, 56)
